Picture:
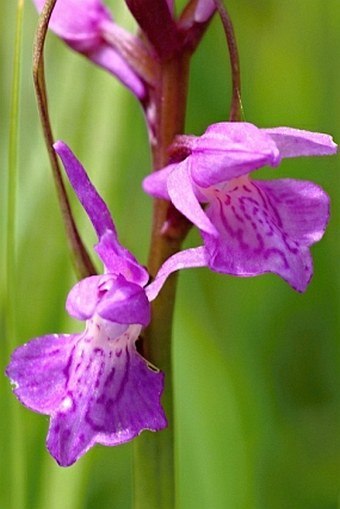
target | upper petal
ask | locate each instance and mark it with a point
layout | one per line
(92, 202)
(230, 149)
(267, 227)
(296, 142)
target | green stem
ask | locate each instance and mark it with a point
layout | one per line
(15, 489)
(154, 453)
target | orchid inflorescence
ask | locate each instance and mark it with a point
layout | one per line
(95, 385)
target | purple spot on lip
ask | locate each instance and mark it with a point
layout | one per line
(227, 199)
(100, 374)
(236, 215)
(110, 377)
(109, 405)
(118, 352)
(66, 370)
(273, 252)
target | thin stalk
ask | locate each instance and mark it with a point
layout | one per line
(154, 453)
(16, 467)
(236, 104)
(81, 260)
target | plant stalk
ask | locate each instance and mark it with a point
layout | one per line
(154, 453)
(81, 260)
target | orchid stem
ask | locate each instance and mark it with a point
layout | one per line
(81, 259)
(154, 453)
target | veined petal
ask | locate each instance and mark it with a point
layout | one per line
(303, 206)
(231, 149)
(37, 370)
(118, 260)
(182, 194)
(125, 303)
(267, 227)
(93, 204)
(189, 258)
(296, 142)
(112, 394)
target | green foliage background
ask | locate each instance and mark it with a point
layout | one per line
(257, 366)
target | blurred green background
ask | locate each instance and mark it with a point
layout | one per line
(257, 366)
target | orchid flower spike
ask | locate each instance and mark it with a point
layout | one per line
(94, 385)
(249, 227)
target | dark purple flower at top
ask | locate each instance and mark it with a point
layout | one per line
(88, 28)
(249, 227)
(94, 385)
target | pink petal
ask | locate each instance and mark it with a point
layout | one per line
(125, 303)
(95, 387)
(118, 260)
(83, 298)
(77, 21)
(155, 184)
(38, 369)
(228, 150)
(92, 202)
(189, 258)
(112, 395)
(182, 194)
(267, 227)
(296, 142)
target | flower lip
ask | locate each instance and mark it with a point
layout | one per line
(95, 387)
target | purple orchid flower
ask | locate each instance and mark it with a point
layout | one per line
(94, 385)
(249, 227)
(88, 28)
